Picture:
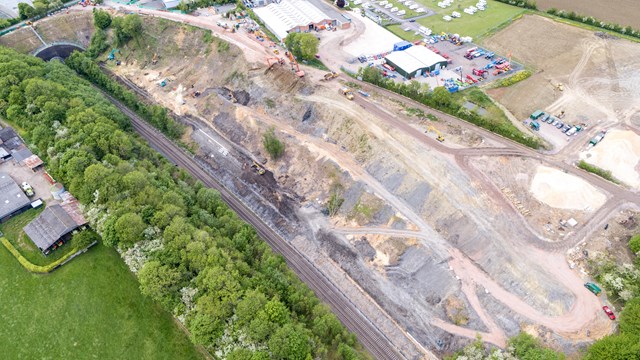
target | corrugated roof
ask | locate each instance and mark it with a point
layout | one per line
(71, 205)
(414, 58)
(33, 161)
(49, 226)
(11, 196)
(287, 14)
(22, 154)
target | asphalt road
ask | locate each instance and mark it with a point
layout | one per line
(372, 339)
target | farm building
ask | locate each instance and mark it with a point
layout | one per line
(51, 228)
(13, 201)
(287, 16)
(415, 61)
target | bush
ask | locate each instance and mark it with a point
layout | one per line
(634, 244)
(272, 144)
(98, 43)
(515, 78)
(605, 174)
(82, 239)
(590, 20)
(101, 19)
(527, 4)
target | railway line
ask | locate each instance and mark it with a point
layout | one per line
(368, 334)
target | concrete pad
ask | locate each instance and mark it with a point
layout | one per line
(374, 40)
(618, 152)
(564, 191)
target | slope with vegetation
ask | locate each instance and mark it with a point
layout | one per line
(197, 258)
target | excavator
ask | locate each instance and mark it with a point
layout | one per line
(558, 86)
(299, 72)
(258, 168)
(330, 75)
(439, 136)
(272, 61)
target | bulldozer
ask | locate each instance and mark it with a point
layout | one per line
(258, 168)
(439, 136)
(330, 75)
(155, 58)
(557, 86)
(348, 93)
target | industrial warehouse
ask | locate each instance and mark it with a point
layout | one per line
(287, 16)
(412, 61)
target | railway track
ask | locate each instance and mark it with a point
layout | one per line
(368, 334)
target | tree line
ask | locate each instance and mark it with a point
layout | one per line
(210, 269)
(441, 99)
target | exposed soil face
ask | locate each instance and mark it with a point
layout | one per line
(621, 12)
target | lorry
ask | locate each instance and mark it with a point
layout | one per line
(598, 138)
(348, 93)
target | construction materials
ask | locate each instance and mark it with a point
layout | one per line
(348, 93)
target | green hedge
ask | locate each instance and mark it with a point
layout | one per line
(515, 78)
(527, 4)
(38, 269)
(605, 174)
(590, 20)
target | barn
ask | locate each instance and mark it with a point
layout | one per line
(415, 61)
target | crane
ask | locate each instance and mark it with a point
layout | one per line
(299, 72)
(439, 136)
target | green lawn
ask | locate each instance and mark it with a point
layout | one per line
(12, 230)
(91, 308)
(474, 25)
(406, 35)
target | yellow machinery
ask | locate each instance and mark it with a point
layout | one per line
(439, 136)
(348, 93)
(331, 75)
(258, 168)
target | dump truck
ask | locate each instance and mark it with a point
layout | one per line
(348, 93)
(597, 138)
(330, 75)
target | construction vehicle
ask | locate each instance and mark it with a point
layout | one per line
(469, 77)
(331, 75)
(155, 58)
(276, 51)
(593, 288)
(299, 72)
(439, 136)
(557, 86)
(112, 54)
(258, 168)
(273, 61)
(348, 93)
(163, 83)
(598, 138)
(28, 190)
(479, 72)
(561, 115)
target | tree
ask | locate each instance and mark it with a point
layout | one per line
(272, 144)
(526, 347)
(101, 19)
(159, 282)
(26, 11)
(630, 318)
(634, 244)
(302, 45)
(126, 28)
(84, 238)
(441, 96)
(291, 343)
(615, 347)
(129, 228)
(340, 3)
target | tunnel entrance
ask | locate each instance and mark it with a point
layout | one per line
(60, 51)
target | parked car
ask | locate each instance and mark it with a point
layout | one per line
(412, 20)
(560, 124)
(571, 131)
(551, 119)
(555, 123)
(565, 128)
(609, 313)
(544, 117)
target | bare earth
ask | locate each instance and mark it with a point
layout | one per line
(622, 12)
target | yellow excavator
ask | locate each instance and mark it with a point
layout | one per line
(258, 168)
(439, 136)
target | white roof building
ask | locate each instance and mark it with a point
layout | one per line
(291, 15)
(170, 4)
(415, 60)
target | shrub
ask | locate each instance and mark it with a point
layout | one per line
(272, 144)
(634, 244)
(605, 174)
(101, 19)
(515, 78)
(38, 269)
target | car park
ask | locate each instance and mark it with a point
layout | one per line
(609, 313)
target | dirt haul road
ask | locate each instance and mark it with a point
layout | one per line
(581, 312)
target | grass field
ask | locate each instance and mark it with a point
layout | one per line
(475, 25)
(90, 308)
(406, 35)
